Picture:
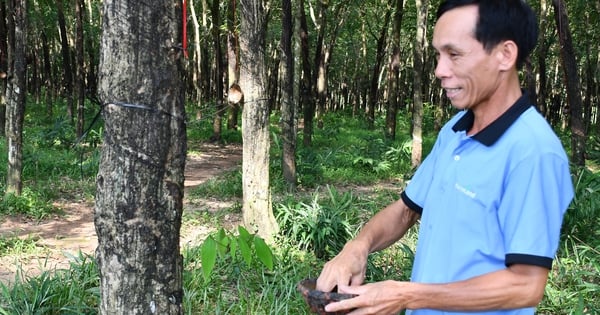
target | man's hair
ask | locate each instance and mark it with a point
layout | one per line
(501, 20)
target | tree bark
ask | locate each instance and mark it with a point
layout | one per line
(47, 75)
(3, 66)
(320, 64)
(257, 209)
(196, 65)
(307, 95)
(234, 96)
(543, 46)
(16, 92)
(394, 73)
(417, 113)
(374, 88)
(323, 55)
(66, 58)
(288, 107)
(91, 84)
(79, 58)
(218, 75)
(140, 179)
(567, 53)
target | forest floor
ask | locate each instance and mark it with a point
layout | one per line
(73, 231)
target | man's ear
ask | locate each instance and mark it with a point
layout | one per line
(507, 52)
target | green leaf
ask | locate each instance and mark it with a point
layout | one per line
(233, 248)
(244, 234)
(208, 256)
(222, 241)
(245, 250)
(263, 252)
(220, 234)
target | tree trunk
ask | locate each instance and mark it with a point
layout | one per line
(567, 53)
(234, 94)
(394, 73)
(140, 179)
(419, 45)
(218, 75)
(66, 58)
(79, 84)
(257, 211)
(3, 66)
(323, 56)
(320, 71)
(288, 107)
(48, 82)
(91, 85)
(16, 91)
(543, 46)
(589, 86)
(307, 96)
(197, 56)
(374, 88)
(33, 78)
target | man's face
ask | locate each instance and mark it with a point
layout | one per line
(469, 75)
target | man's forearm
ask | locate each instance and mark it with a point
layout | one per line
(516, 287)
(387, 226)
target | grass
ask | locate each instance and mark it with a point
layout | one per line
(65, 291)
(344, 156)
(15, 246)
(55, 165)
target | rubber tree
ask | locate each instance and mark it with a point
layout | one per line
(257, 207)
(139, 197)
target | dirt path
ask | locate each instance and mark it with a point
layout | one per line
(73, 232)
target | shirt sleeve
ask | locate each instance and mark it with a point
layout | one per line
(418, 187)
(537, 194)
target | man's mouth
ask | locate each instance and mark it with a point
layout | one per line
(452, 92)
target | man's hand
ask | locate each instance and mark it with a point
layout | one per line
(350, 265)
(382, 298)
(347, 268)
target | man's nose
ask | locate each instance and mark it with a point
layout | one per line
(441, 69)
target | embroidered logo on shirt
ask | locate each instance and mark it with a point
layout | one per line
(465, 191)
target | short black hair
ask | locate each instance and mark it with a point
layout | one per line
(501, 20)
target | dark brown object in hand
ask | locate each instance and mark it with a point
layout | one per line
(317, 300)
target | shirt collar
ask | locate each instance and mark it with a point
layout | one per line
(490, 134)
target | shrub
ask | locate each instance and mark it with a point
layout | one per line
(322, 226)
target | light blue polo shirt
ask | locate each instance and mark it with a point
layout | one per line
(489, 200)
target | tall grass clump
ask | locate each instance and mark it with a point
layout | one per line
(32, 204)
(574, 282)
(64, 291)
(321, 225)
(13, 245)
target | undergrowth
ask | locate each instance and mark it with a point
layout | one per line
(316, 220)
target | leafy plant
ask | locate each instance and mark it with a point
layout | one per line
(225, 246)
(582, 219)
(29, 203)
(322, 226)
(574, 285)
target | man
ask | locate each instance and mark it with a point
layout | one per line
(492, 193)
